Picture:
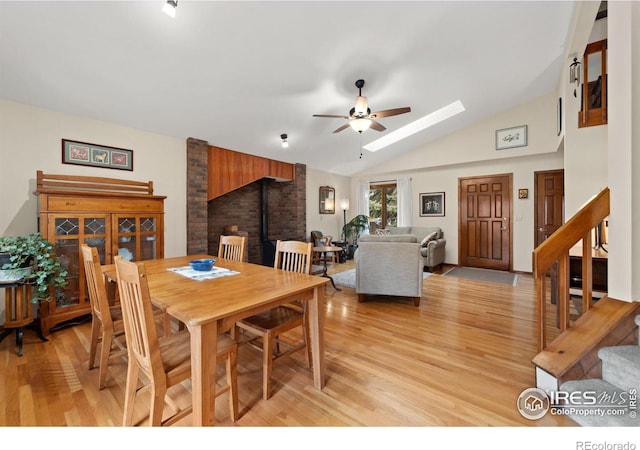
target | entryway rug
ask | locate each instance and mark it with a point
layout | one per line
(348, 278)
(488, 275)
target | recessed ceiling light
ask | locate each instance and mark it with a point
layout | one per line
(418, 125)
(169, 8)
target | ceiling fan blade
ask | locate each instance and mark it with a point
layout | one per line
(343, 127)
(391, 112)
(377, 126)
(331, 116)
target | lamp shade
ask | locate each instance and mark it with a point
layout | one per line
(344, 204)
(360, 124)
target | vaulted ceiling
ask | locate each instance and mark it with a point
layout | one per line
(238, 74)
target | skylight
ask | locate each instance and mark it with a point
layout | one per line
(418, 125)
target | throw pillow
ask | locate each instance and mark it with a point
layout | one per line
(429, 237)
(381, 232)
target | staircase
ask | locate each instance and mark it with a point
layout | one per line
(619, 386)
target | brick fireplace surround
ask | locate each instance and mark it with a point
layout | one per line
(284, 208)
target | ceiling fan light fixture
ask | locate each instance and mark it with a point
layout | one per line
(361, 107)
(360, 125)
(169, 8)
(418, 125)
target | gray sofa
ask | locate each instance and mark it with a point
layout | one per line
(434, 251)
(389, 265)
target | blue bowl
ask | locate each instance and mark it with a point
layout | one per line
(202, 265)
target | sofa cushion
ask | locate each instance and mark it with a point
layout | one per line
(382, 232)
(399, 230)
(429, 237)
(388, 238)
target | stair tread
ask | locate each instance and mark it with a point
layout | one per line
(621, 365)
(630, 353)
(628, 419)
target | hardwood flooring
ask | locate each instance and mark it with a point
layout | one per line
(459, 359)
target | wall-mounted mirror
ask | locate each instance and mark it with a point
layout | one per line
(327, 200)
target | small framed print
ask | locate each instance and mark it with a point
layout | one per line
(432, 204)
(86, 154)
(511, 137)
(523, 193)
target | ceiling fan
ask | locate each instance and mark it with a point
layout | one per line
(360, 116)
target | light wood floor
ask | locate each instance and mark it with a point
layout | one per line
(459, 359)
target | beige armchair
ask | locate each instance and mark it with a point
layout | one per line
(389, 265)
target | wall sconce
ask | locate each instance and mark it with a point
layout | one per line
(574, 74)
(285, 144)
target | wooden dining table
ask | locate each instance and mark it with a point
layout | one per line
(209, 307)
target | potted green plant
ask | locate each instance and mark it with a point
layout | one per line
(352, 230)
(33, 259)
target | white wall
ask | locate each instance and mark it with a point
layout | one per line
(329, 224)
(31, 140)
(472, 152)
(586, 149)
(624, 154)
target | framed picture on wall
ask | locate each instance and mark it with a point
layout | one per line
(432, 204)
(86, 154)
(511, 137)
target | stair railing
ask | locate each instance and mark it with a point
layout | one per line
(555, 249)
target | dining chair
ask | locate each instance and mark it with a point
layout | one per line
(269, 326)
(107, 327)
(232, 247)
(165, 362)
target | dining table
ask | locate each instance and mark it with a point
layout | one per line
(210, 303)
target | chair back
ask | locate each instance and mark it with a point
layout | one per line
(319, 239)
(294, 256)
(139, 324)
(96, 285)
(232, 247)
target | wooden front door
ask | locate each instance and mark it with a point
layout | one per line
(485, 221)
(549, 202)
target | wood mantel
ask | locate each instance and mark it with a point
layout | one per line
(230, 170)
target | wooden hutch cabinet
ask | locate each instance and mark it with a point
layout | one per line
(115, 216)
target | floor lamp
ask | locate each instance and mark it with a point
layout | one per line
(344, 204)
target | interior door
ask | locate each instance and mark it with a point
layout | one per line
(485, 221)
(549, 201)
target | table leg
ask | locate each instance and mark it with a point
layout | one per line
(204, 341)
(324, 273)
(315, 309)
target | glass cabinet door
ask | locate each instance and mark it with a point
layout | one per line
(136, 236)
(68, 232)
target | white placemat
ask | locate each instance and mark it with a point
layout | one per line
(215, 272)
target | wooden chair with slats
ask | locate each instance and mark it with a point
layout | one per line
(232, 247)
(268, 326)
(107, 327)
(164, 362)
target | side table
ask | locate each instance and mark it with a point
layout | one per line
(343, 255)
(324, 250)
(19, 312)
